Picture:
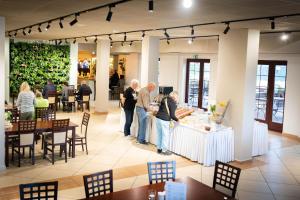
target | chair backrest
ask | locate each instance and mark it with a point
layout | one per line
(71, 98)
(15, 115)
(60, 131)
(26, 130)
(46, 190)
(161, 171)
(98, 183)
(52, 97)
(72, 87)
(85, 98)
(41, 113)
(226, 176)
(85, 122)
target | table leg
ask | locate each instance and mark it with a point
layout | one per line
(73, 142)
(6, 151)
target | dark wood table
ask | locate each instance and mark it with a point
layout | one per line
(42, 126)
(195, 191)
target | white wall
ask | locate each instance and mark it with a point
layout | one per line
(132, 67)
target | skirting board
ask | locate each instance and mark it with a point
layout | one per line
(100, 113)
(291, 136)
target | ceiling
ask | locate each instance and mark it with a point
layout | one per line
(134, 15)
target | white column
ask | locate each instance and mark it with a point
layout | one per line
(74, 61)
(6, 46)
(2, 91)
(238, 56)
(150, 54)
(102, 76)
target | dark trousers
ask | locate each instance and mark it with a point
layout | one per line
(129, 119)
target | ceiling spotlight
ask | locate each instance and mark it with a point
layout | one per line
(96, 39)
(60, 41)
(29, 31)
(130, 44)
(143, 34)
(192, 31)
(190, 41)
(60, 23)
(166, 34)
(66, 41)
(16, 33)
(110, 38)
(125, 37)
(74, 41)
(9, 35)
(39, 28)
(284, 37)
(111, 45)
(74, 21)
(227, 28)
(272, 19)
(187, 3)
(122, 43)
(151, 6)
(24, 33)
(168, 41)
(48, 26)
(86, 40)
(109, 14)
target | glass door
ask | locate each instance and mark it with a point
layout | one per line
(270, 93)
(197, 82)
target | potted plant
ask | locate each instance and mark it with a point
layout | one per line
(8, 118)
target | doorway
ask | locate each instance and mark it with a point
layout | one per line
(197, 82)
(270, 93)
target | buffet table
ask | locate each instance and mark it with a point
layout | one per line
(189, 139)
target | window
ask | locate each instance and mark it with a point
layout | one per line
(197, 82)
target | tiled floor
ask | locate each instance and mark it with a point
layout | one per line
(275, 175)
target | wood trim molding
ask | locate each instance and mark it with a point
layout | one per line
(291, 136)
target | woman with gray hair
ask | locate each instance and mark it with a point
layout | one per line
(164, 116)
(26, 102)
(129, 105)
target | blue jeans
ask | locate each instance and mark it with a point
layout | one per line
(163, 133)
(142, 117)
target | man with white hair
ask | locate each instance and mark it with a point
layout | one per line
(142, 106)
(129, 105)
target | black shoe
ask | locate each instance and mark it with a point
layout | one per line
(159, 150)
(143, 142)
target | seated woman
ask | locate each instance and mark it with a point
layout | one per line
(165, 114)
(40, 101)
(26, 102)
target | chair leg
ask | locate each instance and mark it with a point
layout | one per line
(70, 144)
(52, 154)
(43, 139)
(65, 149)
(32, 155)
(60, 150)
(12, 152)
(81, 140)
(86, 146)
(23, 153)
(29, 152)
(45, 150)
(19, 157)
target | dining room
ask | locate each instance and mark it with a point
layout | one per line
(151, 99)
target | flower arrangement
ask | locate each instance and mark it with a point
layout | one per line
(8, 116)
(218, 111)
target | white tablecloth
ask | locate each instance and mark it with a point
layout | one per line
(194, 144)
(260, 139)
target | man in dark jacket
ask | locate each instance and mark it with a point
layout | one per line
(49, 88)
(84, 90)
(129, 105)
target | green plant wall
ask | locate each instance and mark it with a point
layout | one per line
(36, 63)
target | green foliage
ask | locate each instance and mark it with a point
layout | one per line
(37, 62)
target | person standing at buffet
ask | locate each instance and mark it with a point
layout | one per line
(129, 105)
(26, 102)
(164, 116)
(142, 106)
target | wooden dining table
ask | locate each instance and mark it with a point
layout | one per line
(41, 126)
(195, 191)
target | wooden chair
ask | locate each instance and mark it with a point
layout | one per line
(15, 115)
(25, 138)
(44, 114)
(161, 171)
(226, 176)
(41, 113)
(70, 103)
(45, 190)
(81, 139)
(84, 101)
(98, 183)
(58, 137)
(52, 99)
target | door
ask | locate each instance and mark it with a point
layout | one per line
(197, 82)
(270, 93)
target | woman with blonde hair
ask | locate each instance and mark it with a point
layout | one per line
(26, 102)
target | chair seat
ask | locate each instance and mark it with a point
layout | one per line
(77, 136)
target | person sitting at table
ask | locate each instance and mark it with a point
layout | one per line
(26, 102)
(50, 87)
(65, 92)
(84, 89)
(164, 116)
(40, 101)
(142, 106)
(129, 105)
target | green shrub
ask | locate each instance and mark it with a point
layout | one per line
(37, 62)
